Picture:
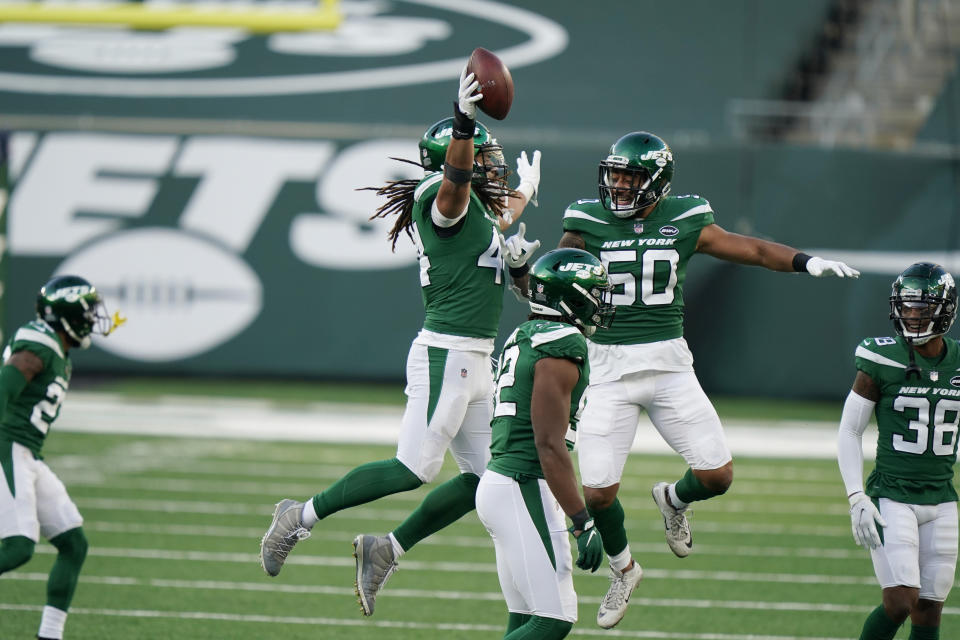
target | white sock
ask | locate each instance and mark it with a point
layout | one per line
(52, 622)
(309, 515)
(677, 503)
(622, 560)
(397, 549)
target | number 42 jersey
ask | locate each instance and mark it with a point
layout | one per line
(647, 262)
(29, 416)
(917, 421)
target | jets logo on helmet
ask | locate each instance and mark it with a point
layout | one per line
(74, 306)
(923, 302)
(488, 152)
(572, 284)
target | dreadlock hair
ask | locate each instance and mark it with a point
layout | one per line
(399, 194)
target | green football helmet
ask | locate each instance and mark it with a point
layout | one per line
(434, 143)
(74, 306)
(923, 302)
(647, 161)
(572, 284)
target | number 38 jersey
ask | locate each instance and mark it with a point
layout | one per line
(512, 450)
(917, 420)
(461, 275)
(29, 416)
(647, 262)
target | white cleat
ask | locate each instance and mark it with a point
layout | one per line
(614, 604)
(285, 531)
(677, 529)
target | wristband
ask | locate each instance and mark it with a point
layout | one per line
(463, 125)
(580, 520)
(519, 272)
(800, 261)
(527, 189)
(456, 175)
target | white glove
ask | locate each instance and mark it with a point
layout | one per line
(864, 518)
(818, 267)
(516, 249)
(466, 98)
(529, 173)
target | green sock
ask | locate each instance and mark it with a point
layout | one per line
(690, 489)
(878, 626)
(540, 628)
(71, 551)
(365, 484)
(443, 506)
(515, 621)
(609, 522)
(924, 633)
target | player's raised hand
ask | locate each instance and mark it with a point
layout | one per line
(589, 547)
(818, 267)
(864, 519)
(467, 99)
(517, 249)
(529, 173)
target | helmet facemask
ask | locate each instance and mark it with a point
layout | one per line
(72, 305)
(923, 303)
(633, 193)
(489, 163)
(572, 284)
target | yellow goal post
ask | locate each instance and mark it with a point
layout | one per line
(263, 18)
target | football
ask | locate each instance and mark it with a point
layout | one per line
(496, 84)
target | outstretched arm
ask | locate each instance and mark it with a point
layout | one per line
(454, 193)
(526, 191)
(714, 240)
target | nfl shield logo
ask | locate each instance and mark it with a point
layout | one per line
(934, 375)
(638, 227)
(539, 287)
(463, 373)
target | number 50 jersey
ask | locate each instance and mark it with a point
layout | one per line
(29, 416)
(917, 421)
(647, 262)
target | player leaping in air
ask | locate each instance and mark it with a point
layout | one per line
(645, 237)
(454, 216)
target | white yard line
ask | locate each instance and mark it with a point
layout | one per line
(189, 416)
(388, 624)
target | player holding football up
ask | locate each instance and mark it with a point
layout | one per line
(454, 216)
(530, 484)
(33, 382)
(645, 237)
(910, 383)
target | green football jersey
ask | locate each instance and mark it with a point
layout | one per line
(461, 276)
(917, 421)
(512, 448)
(29, 416)
(647, 262)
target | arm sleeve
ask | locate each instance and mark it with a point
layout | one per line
(441, 220)
(12, 382)
(853, 422)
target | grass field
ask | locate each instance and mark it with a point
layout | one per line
(174, 527)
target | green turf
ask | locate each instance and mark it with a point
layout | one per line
(174, 527)
(300, 391)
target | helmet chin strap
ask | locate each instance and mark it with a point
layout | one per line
(82, 343)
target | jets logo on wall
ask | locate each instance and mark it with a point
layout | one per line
(401, 43)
